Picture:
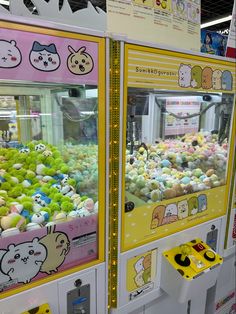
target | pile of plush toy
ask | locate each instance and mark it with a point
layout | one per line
(37, 188)
(83, 162)
(175, 167)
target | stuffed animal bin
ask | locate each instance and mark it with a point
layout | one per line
(176, 167)
(40, 186)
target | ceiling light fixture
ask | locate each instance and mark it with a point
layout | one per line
(218, 21)
(5, 2)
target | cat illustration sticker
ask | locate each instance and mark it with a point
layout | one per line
(143, 270)
(10, 54)
(227, 80)
(3, 277)
(193, 205)
(58, 246)
(157, 216)
(196, 76)
(207, 78)
(202, 203)
(22, 262)
(185, 75)
(182, 209)
(44, 57)
(171, 214)
(79, 62)
(216, 79)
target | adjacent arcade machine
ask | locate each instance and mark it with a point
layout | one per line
(52, 169)
(176, 150)
(225, 289)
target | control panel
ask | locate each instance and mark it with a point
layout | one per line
(189, 268)
(192, 258)
(42, 309)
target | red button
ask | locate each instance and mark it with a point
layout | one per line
(199, 247)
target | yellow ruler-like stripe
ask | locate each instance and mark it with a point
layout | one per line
(114, 170)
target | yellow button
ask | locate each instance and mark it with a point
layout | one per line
(210, 256)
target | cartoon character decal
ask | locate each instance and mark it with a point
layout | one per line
(147, 262)
(196, 76)
(44, 58)
(79, 62)
(171, 214)
(227, 80)
(157, 216)
(138, 266)
(185, 75)
(202, 202)
(3, 277)
(193, 205)
(216, 79)
(182, 209)
(207, 78)
(143, 269)
(58, 246)
(10, 55)
(22, 262)
(138, 279)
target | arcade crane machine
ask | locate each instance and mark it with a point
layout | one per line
(52, 165)
(176, 149)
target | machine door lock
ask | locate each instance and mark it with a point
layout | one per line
(78, 300)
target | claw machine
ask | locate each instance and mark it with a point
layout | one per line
(176, 151)
(224, 290)
(52, 168)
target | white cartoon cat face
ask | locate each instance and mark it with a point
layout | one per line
(182, 209)
(23, 261)
(139, 265)
(216, 74)
(184, 75)
(171, 210)
(44, 58)
(79, 62)
(10, 55)
(3, 278)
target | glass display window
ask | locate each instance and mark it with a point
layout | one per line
(177, 134)
(176, 144)
(52, 157)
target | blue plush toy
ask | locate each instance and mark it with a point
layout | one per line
(41, 198)
(40, 217)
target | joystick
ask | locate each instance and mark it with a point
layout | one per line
(182, 259)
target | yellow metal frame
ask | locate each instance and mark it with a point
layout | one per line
(231, 148)
(101, 146)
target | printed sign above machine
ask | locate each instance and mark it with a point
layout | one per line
(153, 68)
(43, 58)
(167, 22)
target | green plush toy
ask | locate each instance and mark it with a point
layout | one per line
(31, 181)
